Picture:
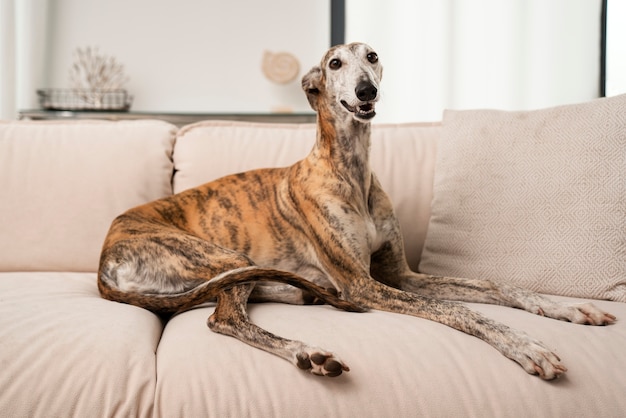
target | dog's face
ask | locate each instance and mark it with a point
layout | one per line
(349, 77)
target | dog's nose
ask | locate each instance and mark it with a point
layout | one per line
(366, 91)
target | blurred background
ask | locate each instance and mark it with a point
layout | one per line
(206, 56)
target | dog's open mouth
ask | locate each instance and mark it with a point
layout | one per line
(362, 111)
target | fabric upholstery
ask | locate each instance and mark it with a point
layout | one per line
(535, 198)
(400, 366)
(64, 182)
(66, 352)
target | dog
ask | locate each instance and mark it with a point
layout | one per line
(320, 231)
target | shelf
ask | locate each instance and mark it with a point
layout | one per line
(179, 119)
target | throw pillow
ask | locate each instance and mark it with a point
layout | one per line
(533, 198)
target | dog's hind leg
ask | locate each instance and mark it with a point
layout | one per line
(167, 270)
(231, 318)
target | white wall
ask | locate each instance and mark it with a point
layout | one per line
(616, 48)
(513, 54)
(192, 55)
(22, 37)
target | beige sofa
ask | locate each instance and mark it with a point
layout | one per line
(65, 352)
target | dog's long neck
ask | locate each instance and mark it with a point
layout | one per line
(343, 145)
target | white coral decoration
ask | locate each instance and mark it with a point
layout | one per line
(95, 71)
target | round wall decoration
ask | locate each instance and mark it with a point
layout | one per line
(280, 67)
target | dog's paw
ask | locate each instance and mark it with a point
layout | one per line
(320, 363)
(537, 359)
(589, 314)
(586, 314)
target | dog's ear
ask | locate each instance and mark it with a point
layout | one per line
(311, 84)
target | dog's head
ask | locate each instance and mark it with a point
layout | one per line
(349, 78)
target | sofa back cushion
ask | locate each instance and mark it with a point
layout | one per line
(63, 183)
(402, 156)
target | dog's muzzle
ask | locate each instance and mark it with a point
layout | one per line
(366, 93)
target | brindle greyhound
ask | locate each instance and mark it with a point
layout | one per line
(322, 223)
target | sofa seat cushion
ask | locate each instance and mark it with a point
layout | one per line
(534, 198)
(400, 366)
(402, 156)
(64, 351)
(63, 183)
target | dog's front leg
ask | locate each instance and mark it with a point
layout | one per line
(389, 266)
(529, 353)
(397, 274)
(486, 291)
(230, 318)
(343, 259)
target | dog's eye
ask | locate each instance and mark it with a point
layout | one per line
(372, 57)
(334, 64)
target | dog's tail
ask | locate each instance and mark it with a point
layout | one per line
(208, 291)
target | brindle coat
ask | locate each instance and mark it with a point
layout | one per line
(322, 223)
